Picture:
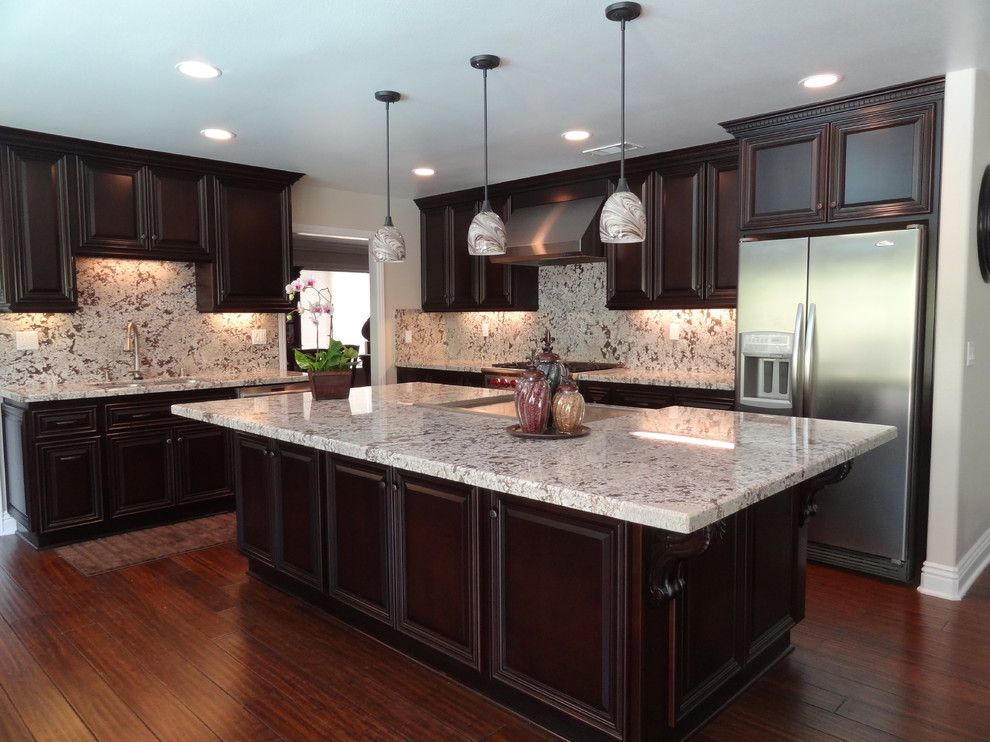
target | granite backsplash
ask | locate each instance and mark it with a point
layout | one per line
(160, 297)
(572, 306)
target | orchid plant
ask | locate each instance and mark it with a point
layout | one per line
(318, 302)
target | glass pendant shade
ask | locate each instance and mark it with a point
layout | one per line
(623, 218)
(387, 245)
(486, 235)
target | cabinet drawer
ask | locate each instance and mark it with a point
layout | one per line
(71, 421)
(124, 415)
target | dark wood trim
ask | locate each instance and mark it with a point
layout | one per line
(786, 117)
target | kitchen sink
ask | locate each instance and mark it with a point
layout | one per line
(505, 406)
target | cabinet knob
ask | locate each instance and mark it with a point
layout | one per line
(832, 204)
(709, 287)
(493, 513)
(819, 205)
(143, 235)
(179, 439)
(168, 441)
(154, 236)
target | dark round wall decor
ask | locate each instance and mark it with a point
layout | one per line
(983, 226)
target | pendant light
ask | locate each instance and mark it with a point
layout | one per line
(623, 219)
(486, 235)
(388, 245)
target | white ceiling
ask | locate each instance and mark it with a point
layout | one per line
(299, 75)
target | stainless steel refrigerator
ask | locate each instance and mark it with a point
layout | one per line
(829, 327)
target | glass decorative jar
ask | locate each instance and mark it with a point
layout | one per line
(550, 364)
(568, 408)
(533, 401)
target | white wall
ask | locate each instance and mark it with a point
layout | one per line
(314, 204)
(959, 510)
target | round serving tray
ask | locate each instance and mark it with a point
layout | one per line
(550, 435)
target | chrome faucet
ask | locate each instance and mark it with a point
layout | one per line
(133, 344)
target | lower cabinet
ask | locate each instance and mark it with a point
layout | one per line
(83, 468)
(405, 374)
(652, 396)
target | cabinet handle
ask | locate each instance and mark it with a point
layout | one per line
(708, 288)
(72, 458)
(65, 422)
(154, 236)
(140, 414)
(143, 235)
(832, 204)
(179, 439)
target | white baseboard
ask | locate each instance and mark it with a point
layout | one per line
(951, 583)
(8, 525)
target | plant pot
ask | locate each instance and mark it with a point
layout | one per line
(330, 384)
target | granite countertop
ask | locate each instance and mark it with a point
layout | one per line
(39, 392)
(684, 379)
(677, 468)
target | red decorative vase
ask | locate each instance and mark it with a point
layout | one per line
(533, 401)
(330, 384)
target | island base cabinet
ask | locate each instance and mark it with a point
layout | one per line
(593, 627)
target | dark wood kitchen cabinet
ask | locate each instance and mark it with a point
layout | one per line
(38, 221)
(279, 508)
(536, 552)
(655, 396)
(871, 156)
(177, 209)
(407, 374)
(84, 468)
(358, 526)
(252, 261)
(453, 279)
(437, 554)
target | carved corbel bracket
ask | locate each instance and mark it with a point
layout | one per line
(811, 488)
(668, 553)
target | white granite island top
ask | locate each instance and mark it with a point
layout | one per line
(677, 468)
(61, 391)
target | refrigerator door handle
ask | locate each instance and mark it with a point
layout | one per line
(809, 357)
(796, 393)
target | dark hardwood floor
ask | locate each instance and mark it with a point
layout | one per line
(189, 648)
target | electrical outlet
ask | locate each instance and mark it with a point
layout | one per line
(970, 353)
(259, 337)
(486, 329)
(26, 340)
(674, 331)
(407, 338)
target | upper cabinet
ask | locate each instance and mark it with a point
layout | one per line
(37, 219)
(455, 281)
(867, 157)
(64, 197)
(253, 260)
(690, 255)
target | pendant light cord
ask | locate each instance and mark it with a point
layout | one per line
(388, 170)
(622, 108)
(485, 85)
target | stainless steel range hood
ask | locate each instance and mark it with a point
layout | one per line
(553, 234)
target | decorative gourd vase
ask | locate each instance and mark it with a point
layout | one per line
(330, 384)
(568, 408)
(533, 401)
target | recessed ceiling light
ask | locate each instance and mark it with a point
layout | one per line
(576, 135)
(424, 172)
(197, 69)
(219, 134)
(822, 80)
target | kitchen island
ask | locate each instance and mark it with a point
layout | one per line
(626, 585)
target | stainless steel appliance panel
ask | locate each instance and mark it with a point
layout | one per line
(860, 365)
(773, 281)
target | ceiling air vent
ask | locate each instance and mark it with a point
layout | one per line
(610, 149)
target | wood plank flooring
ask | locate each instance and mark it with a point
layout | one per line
(189, 648)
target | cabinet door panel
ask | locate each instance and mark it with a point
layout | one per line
(438, 546)
(433, 246)
(722, 232)
(536, 551)
(253, 261)
(255, 506)
(358, 517)
(783, 178)
(772, 575)
(140, 472)
(495, 281)
(680, 225)
(203, 462)
(38, 224)
(71, 488)
(630, 267)
(111, 195)
(300, 528)
(462, 274)
(882, 164)
(177, 206)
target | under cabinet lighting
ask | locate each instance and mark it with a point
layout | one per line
(424, 172)
(197, 69)
(576, 135)
(222, 135)
(821, 80)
